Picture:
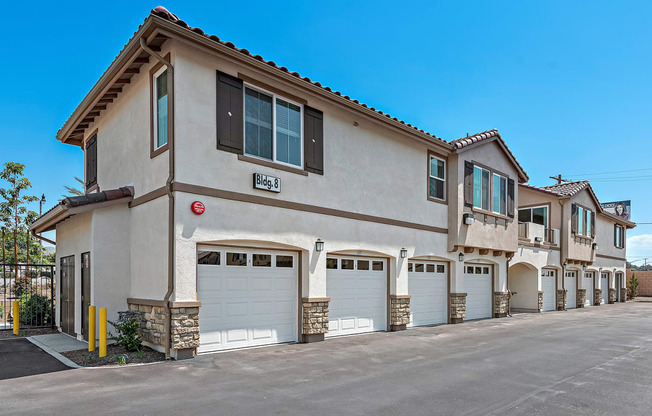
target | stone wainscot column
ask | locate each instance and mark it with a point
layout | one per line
(315, 319)
(400, 312)
(581, 297)
(457, 307)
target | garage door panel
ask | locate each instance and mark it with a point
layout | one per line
(549, 291)
(479, 293)
(570, 284)
(427, 284)
(247, 305)
(357, 297)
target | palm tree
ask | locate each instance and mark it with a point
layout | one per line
(75, 191)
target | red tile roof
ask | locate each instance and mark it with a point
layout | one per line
(567, 188)
(488, 135)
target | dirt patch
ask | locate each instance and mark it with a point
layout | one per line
(647, 299)
(116, 355)
(8, 333)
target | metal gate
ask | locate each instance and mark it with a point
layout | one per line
(33, 287)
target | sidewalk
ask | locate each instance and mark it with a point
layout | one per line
(55, 344)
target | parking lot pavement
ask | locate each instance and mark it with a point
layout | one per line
(591, 361)
(21, 358)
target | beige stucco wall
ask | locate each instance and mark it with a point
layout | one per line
(481, 234)
(529, 198)
(580, 250)
(74, 237)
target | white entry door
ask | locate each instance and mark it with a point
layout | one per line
(249, 297)
(549, 288)
(357, 287)
(479, 293)
(428, 285)
(587, 283)
(605, 288)
(570, 284)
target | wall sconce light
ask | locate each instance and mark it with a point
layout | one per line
(538, 239)
(584, 267)
(595, 246)
(468, 218)
(461, 256)
(319, 245)
(600, 270)
(403, 253)
(614, 270)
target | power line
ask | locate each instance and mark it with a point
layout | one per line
(606, 173)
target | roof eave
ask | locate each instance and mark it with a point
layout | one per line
(50, 219)
(522, 175)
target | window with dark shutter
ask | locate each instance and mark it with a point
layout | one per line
(230, 120)
(592, 224)
(574, 218)
(91, 161)
(313, 139)
(510, 198)
(468, 183)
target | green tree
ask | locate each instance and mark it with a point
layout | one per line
(14, 207)
(75, 191)
(632, 287)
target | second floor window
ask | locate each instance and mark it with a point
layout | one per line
(537, 215)
(437, 178)
(481, 188)
(499, 193)
(619, 236)
(161, 107)
(581, 221)
(272, 128)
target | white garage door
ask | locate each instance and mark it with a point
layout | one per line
(549, 289)
(479, 294)
(358, 291)
(570, 284)
(587, 283)
(427, 283)
(249, 297)
(605, 288)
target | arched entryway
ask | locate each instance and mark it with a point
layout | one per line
(524, 285)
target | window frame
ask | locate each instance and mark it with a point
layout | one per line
(619, 240)
(489, 210)
(532, 208)
(433, 155)
(489, 194)
(274, 96)
(500, 179)
(156, 70)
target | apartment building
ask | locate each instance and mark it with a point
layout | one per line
(571, 253)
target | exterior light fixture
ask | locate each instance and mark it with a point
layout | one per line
(600, 270)
(461, 256)
(614, 270)
(584, 267)
(319, 245)
(468, 218)
(403, 253)
(595, 246)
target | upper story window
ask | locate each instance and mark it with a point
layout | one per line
(488, 190)
(537, 215)
(160, 108)
(499, 194)
(583, 221)
(481, 188)
(91, 162)
(273, 127)
(619, 236)
(437, 178)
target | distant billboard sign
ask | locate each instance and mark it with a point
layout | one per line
(622, 209)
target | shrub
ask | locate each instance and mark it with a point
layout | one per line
(127, 333)
(632, 287)
(35, 310)
(23, 286)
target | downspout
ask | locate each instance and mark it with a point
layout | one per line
(509, 291)
(168, 189)
(40, 237)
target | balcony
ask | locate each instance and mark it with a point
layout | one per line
(537, 233)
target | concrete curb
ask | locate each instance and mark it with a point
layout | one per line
(53, 353)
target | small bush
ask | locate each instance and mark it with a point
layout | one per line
(632, 287)
(127, 333)
(34, 310)
(23, 286)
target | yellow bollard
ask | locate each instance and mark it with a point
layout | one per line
(16, 321)
(102, 332)
(91, 328)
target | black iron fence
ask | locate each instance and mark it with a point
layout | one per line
(33, 286)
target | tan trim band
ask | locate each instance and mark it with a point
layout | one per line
(272, 165)
(260, 200)
(541, 246)
(146, 302)
(610, 257)
(400, 296)
(185, 304)
(150, 196)
(310, 300)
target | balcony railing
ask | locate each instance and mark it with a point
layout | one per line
(537, 233)
(523, 230)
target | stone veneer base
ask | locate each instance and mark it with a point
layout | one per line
(501, 304)
(561, 299)
(540, 301)
(581, 298)
(597, 297)
(399, 312)
(457, 307)
(612, 296)
(315, 318)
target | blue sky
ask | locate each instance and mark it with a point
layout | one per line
(566, 82)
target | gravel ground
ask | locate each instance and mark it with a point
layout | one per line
(113, 354)
(8, 333)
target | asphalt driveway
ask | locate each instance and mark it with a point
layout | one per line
(593, 361)
(21, 358)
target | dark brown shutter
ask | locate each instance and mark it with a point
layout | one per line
(313, 140)
(592, 224)
(574, 218)
(510, 198)
(615, 235)
(468, 183)
(91, 161)
(230, 109)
